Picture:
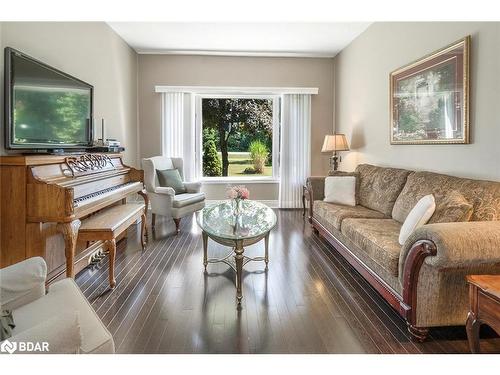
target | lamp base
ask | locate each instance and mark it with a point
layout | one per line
(334, 163)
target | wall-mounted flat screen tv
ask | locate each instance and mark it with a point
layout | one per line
(44, 107)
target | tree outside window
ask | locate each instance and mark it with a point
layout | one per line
(237, 136)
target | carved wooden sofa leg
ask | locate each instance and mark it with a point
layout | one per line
(418, 334)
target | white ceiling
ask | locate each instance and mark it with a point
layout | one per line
(240, 39)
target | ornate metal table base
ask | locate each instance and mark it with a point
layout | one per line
(235, 259)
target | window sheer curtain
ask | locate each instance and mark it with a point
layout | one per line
(177, 135)
(295, 152)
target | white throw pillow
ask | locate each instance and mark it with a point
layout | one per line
(418, 216)
(340, 190)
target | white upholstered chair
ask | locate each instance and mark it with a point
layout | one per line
(63, 317)
(163, 199)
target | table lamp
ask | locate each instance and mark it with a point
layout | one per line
(334, 143)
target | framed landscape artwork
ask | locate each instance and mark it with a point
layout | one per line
(430, 98)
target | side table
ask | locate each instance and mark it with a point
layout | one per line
(484, 297)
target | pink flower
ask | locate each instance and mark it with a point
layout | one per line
(237, 192)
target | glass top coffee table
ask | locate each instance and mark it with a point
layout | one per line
(251, 223)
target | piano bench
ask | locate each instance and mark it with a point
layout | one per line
(108, 224)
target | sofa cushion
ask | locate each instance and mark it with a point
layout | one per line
(418, 216)
(340, 190)
(65, 296)
(380, 187)
(483, 195)
(451, 208)
(343, 173)
(187, 199)
(334, 214)
(378, 238)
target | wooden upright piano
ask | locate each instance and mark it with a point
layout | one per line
(45, 197)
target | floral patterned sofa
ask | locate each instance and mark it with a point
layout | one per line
(424, 280)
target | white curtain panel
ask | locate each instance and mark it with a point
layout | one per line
(177, 134)
(295, 153)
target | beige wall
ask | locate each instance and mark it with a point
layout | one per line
(94, 53)
(235, 71)
(362, 97)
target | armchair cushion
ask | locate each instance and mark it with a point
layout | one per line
(171, 178)
(61, 332)
(22, 283)
(65, 297)
(187, 199)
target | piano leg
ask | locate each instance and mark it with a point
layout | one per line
(144, 231)
(70, 234)
(111, 245)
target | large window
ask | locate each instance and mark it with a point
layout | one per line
(239, 137)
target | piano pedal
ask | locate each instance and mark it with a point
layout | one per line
(97, 257)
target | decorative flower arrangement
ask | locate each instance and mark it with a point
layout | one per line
(237, 194)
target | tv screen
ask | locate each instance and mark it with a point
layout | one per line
(45, 108)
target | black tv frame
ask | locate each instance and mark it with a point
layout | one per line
(8, 107)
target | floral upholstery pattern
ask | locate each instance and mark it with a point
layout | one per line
(451, 208)
(380, 187)
(334, 214)
(483, 195)
(378, 238)
(317, 185)
(463, 247)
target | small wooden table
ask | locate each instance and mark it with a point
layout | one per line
(484, 297)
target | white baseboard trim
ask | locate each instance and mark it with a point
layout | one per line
(270, 203)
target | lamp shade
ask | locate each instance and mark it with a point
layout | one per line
(335, 142)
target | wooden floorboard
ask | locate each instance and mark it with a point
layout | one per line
(309, 301)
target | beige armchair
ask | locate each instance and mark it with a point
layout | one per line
(163, 199)
(61, 321)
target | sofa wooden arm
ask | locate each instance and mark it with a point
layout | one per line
(316, 190)
(463, 247)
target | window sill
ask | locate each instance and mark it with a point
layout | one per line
(238, 180)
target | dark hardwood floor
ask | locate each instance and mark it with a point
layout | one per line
(309, 301)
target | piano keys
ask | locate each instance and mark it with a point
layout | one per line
(43, 195)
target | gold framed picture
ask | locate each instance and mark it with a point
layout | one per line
(429, 98)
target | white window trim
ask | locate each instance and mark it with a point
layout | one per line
(199, 141)
(225, 90)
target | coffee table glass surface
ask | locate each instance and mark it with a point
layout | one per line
(254, 220)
